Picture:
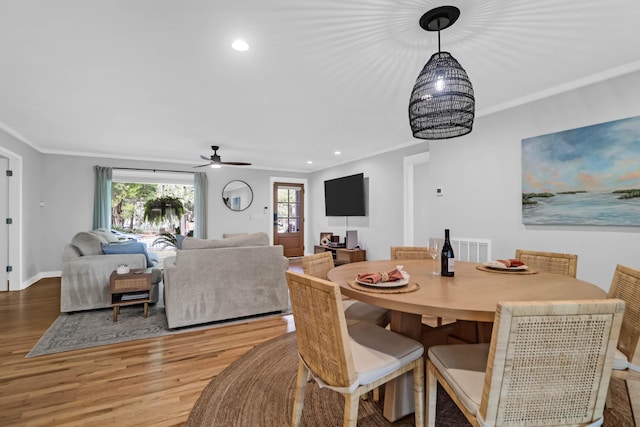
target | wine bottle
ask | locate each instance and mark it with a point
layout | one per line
(447, 259)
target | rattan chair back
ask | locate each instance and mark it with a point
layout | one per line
(550, 262)
(626, 286)
(318, 265)
(409, 252)
(326, 352)
(550, 362)
(321, 328)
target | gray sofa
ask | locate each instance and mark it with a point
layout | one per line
(86, 271)
(212, 280)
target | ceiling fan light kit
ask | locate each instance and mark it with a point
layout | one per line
(215, 161)
(442, 103)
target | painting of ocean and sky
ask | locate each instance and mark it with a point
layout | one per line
(584, 176)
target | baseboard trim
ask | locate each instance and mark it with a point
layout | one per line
(43, 275)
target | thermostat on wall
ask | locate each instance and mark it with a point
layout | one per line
(439, 191)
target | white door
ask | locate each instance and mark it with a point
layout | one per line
(4, 230)
(417, 183)
(421, 219)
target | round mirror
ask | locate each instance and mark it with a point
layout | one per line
(237, 195)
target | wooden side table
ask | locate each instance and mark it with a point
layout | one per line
(131, 288)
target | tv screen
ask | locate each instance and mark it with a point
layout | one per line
(344, 196)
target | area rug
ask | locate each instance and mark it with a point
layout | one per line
(92, 328)
(258, 390)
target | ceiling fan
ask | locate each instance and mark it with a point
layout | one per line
(216, 162)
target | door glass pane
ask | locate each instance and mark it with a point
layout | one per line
(283, 210)
(283, 195)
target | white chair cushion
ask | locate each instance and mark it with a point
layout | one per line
(620, 361)
(361, 311)
(463, 366)
(378, 351)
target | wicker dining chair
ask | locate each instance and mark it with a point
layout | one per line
(549, 363)
(550, 262)
(410, 252)
(318, 265)
(349, 361)
(626, 365)
(416, 252)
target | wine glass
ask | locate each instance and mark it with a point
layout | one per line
(432, 248)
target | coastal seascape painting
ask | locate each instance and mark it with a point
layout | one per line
(584, 176)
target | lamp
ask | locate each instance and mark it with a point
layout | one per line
(442, 104)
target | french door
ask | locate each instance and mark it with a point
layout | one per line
(288, 224)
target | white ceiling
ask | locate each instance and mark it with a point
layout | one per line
(157, 79)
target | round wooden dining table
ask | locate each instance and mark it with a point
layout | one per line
(471, 295)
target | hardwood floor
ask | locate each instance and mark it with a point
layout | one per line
(152, 382)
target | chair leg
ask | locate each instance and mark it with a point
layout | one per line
(432, 390)
(351, 403)
(608, 403)
(418, 392)
(301, 386)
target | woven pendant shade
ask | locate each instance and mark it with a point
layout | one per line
(442, 104)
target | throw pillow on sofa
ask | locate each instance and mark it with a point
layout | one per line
(127, 248)
(249, 239)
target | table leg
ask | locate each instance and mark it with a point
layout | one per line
(115, 312)
(146, 309)
(398, 394)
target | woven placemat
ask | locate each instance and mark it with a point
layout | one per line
(495, 270)
(411, 287)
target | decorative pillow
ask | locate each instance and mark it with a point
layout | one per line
(249, 239)
(87, 243)
(107, 235)
(127, 248)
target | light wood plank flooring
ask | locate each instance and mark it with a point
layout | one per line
(152, 382)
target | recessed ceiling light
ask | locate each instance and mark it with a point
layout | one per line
(240, 45)
(337, 153)
(309, 162)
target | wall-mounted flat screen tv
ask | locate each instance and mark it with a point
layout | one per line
(344, 196)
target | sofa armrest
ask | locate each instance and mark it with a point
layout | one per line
(85, 280)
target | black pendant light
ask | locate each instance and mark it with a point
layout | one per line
(442, 104)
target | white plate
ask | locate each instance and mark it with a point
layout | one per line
(500, 266)
(395, 284)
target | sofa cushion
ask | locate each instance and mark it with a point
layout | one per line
(250, 239)
(87, 243)
(127, 248)
(228, 235)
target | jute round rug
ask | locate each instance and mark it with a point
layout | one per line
(258, 390)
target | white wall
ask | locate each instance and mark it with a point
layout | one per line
(481, 177)
(480, 174)
(483, 196)
(383, 225)
(68, 196)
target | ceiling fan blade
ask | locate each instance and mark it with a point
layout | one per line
(204, 157)
(236, 163)
(201, 166)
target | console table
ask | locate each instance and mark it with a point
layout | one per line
(342, 255)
